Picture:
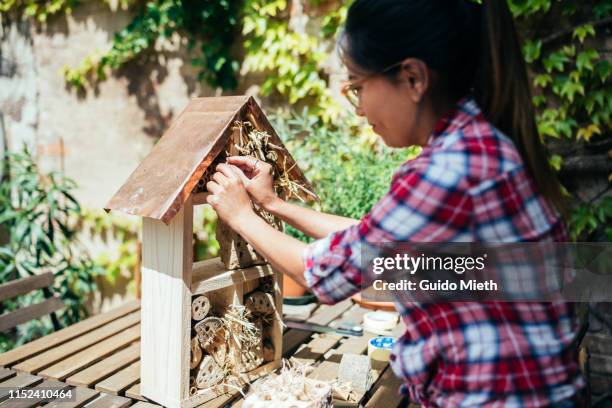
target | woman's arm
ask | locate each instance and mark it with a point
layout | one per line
(282, 251)
(258, 181)
(312, 223)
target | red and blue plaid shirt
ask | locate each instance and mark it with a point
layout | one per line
(469, 184)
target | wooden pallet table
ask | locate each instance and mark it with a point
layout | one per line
(99, 358)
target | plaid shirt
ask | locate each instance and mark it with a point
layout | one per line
(469, 184)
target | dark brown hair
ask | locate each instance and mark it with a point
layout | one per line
(475, 50)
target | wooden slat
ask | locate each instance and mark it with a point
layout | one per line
(106, 367)
(386, 392)
(92, 354)
(49, 357)
(134, 392)
(83, 396)
(110, 401)
(211, 274)
(143, 404)
(6, 373)
(218, 402)
(121, 380)
(324, 315)
(54, 339)
(33, 402)
(316, 348)
(25, 314)
(19, 381)
(22, 286)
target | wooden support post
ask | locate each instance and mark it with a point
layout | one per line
(138, 270)
(166, 308)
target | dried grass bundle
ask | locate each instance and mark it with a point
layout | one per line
(290, 388)
(255, 143)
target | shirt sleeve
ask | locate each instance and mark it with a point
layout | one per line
(424, 204)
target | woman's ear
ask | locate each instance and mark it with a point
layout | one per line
(415, 74)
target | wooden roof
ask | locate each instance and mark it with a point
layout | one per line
(161, 184)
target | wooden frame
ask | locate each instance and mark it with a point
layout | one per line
(169, 273)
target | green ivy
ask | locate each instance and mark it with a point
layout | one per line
(209, 26)
(571, 80)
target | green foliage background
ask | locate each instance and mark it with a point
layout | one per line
(41, 215)
(571, 78)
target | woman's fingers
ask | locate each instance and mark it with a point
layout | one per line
(213, 187)
(221, 178)
(232, 172)
(244, 162)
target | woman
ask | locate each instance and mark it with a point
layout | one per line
(446, 75)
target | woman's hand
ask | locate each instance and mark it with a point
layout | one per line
(259, 179)
(229, 197)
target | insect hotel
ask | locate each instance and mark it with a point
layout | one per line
(208, 327)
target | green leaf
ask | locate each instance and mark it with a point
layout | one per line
(532, 50)
(555, 61)
(542, 80)
(556, 162)
(585, 59)
(581, 33)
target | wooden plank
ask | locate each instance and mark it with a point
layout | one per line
(121, 380)
(134, 392)
(18, 381)
(61, 336)
(49, 357)
(110, 401)
(90, 355)
(386, 392)
(324, 315)
(143, 404)
(106, 367)
(167, 260)
(210, 275)
(218, 402)
(82, 397)
(25, 314)
(292, 339)
(6, 373)
(22, 286)
(316, 348)
(34, 402)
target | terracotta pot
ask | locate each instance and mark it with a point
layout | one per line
(291, 288)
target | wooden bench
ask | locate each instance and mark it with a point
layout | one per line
(19, 287)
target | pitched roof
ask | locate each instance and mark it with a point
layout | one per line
(163, 181)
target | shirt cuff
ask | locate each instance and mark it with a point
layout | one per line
(323, 273)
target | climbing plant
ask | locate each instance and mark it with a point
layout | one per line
(571, 76)
(571, 80)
